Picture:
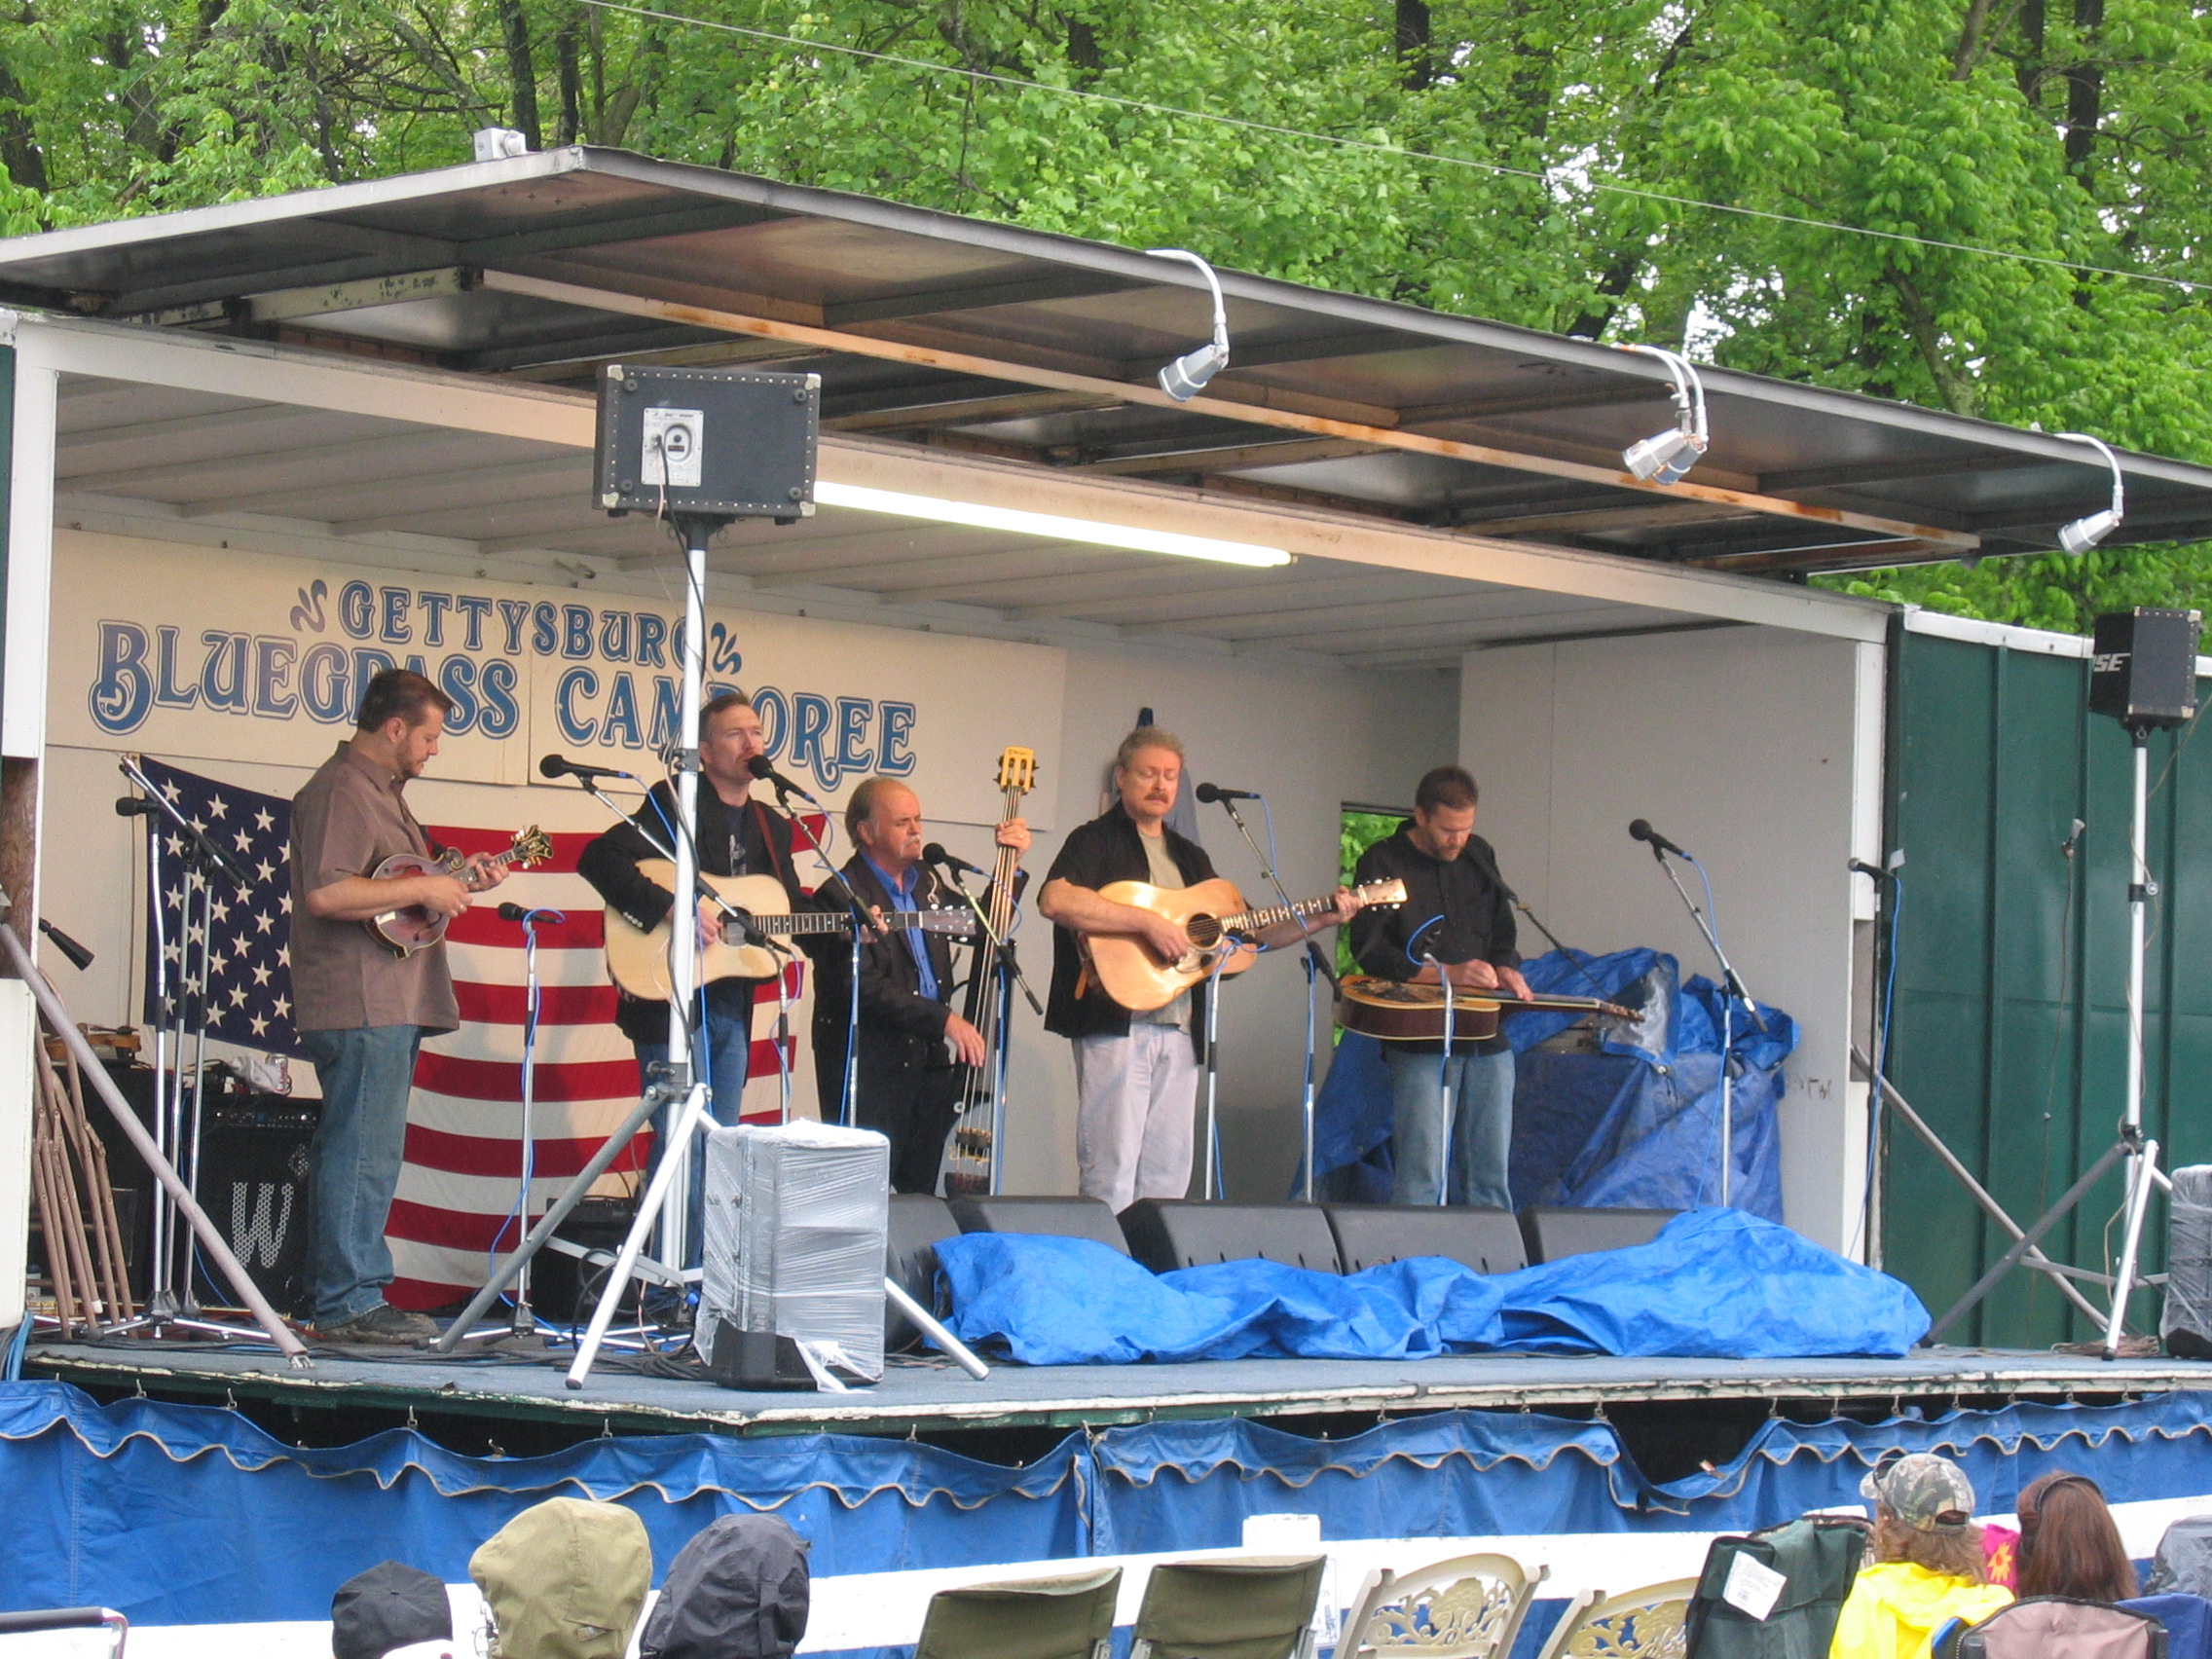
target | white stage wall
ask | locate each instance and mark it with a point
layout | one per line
(1758, 751)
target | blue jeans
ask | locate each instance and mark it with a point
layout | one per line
(353, 1163)
(726, 1056)
(1482, 1137)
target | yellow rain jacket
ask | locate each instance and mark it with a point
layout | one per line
(1896, 1608)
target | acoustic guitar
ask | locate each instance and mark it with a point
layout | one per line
(637, 960)
(1400, 1011)
(414, 927)
(1213, 914)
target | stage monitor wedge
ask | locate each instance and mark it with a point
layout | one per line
(918, 1221)
(1555, 1232)
(708, 443)
(1485, 1241)
(1167, 1234)
(2143, 667)
(1061, 1218)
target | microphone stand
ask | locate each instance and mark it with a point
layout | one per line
(1313, 964)
(1443, 1079)
(862, 924)
(1731, 988)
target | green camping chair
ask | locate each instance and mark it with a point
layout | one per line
(1242, 1608)
(1034, 1618)
(1638, 1624)
(1468, 1607)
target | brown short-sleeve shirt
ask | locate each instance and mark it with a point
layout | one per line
(353, 816)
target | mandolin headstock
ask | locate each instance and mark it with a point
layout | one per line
(531, 846)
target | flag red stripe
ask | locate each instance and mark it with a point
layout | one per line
(502, 1080)
(484, 1154)
(480, 924)
(557, 1005)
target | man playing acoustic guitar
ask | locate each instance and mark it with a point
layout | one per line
(1455, 912)
(361, 1008)
(1136, 1075)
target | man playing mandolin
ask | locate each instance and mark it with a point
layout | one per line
(362, 1009)
(1136, 1075)
(1455, 912)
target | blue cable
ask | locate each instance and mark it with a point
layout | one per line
(14, 1371)
(1414, 938)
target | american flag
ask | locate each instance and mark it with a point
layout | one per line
(465, 1153)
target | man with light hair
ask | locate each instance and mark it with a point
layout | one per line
(1136, 1074)
(910, 1043)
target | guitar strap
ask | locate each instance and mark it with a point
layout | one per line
(768, 840)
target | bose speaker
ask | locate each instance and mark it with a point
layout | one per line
(2143, 667)
(717, 443)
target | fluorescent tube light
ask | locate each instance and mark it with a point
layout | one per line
(1019, 522)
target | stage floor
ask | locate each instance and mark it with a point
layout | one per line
(930, 1394)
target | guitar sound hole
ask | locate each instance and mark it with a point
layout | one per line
(1204, 932)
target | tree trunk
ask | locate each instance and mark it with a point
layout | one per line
(570, 68)
(2085, 91)
(1417, 69)
(1084, 55)
(1959, 393)
(20, 150)
(522, 73)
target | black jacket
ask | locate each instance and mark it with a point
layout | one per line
(1106, 850)
(1476, 918)
(900, 1028)
(752, 841)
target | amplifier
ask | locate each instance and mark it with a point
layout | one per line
(253, 1184)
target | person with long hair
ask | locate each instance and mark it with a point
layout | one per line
(2069, 1543)
(1927, 1567)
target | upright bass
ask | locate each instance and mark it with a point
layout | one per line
(973, 1155)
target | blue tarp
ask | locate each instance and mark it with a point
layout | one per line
(1716, 1283)
(190, 1514)
(1636, 1125)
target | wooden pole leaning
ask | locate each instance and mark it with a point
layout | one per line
(218, 1252)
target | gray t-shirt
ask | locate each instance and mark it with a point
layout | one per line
(1163, 873)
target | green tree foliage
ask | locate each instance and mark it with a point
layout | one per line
(1537, 162)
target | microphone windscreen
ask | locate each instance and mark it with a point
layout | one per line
(509, 911)
(759, 766)
(934, 853)
(1207, 795)
(1640, 830)
(552, 766)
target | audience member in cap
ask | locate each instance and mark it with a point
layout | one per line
(388, 1607)
(2069, 1542)
(563, 1580)
(738, 1591)
(1927, 1563)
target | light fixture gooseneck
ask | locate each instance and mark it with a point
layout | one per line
(2086, 532)
(1667, 458)
(1185, 377)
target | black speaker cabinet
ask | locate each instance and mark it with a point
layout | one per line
(918, 1221)
(2143, 667)
(1063, 1218)
(253, 1184)
(1555, 1232)
(723, 443)
(1488, 1240)
(1166, 1234)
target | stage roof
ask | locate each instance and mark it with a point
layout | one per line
(953, 335)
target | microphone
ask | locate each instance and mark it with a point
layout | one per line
(935, 853)
(1208, 793)
(510, 912)
(135, 806)
(79, 956)
(761, 767)
(554, 766)
(1641, 830)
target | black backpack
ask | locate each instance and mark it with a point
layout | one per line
(1818, 1557)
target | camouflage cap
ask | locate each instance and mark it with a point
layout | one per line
(1921, 1490)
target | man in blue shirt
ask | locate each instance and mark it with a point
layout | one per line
(910, 1043)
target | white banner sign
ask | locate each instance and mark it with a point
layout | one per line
(200, 653)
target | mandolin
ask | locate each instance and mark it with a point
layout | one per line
(1214, 915)
(637, 959)
(1401, 1012)
(413, 926)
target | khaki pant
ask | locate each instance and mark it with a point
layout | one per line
(1136, 1098)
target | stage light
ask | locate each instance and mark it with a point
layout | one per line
(1185, 377)
(1668, 457)
(1021, 522)
(2086, 532)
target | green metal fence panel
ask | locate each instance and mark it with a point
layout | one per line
(2009, 1031)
